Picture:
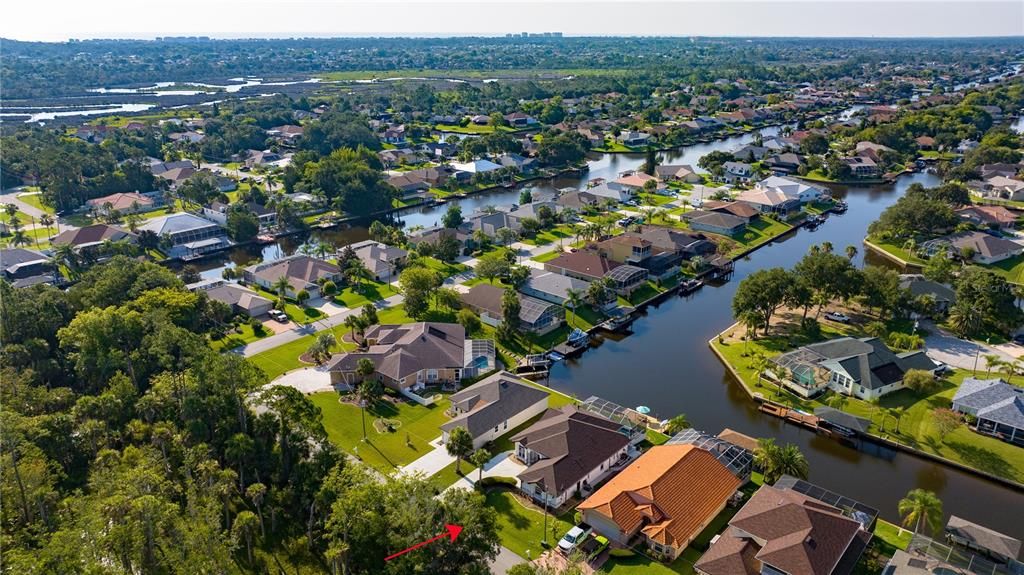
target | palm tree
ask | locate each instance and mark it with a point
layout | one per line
(281, 286)
(46, 220)
(18, 238)
(921, 505)
(897, 414)
(573, 297)
(826, 247)
(965, 319)
(991, 361)
(851, 252)
(836, 400)
(677, 424)
(356, 271)
(66, 253)
(352, 322)
(459, 446)
(480, 458)
(775, 461)
(369, 391)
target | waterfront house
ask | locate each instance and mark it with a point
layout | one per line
(1000, 187)
(493, 406)
(383, 261)
(591, 265)
(520, 120)
(871, 150)
(535, 315)
(577, 200)
(862, 166)
(124, 203)
(715, 222)
(997, 546)
(189, 234)
(434, 234)
(568, 452)
(409, 184)
(768, 201)
(634, 139)
(737, 172)
(741, 210)
(302, 272)
(984, 248)
(414, 355)
(918, 285)
(218, 212)
(480, 166)
(792, 189)
(688, 244)
(678, 173)
(611, 191)
(781, 531)
(552, 287)
(997, 406)
(994, 217)
(239, 298)
(632, 248)
(864, 368)
(785, 163)
(662, 500)
(635, 181)
(92, 236)
(24, 268)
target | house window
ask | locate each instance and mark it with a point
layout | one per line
(506, 424)
(431, 375)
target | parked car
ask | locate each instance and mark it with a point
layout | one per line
(836, 316)
(593, 546)
(278, 315)
(1019, 339)
(941, 369)
(577, 535)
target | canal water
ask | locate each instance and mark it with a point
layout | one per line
(665, 363)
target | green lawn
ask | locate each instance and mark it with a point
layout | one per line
(368, 292)
(284, 358)
(891, 536)
(760, 231)
(562, 232)
(521, 528)
(419, 425)
(547, 256)
(896, 250)
(234, 339)
(38, 238)
(470, 128)
(1012, 269)
(36, 201)
(443, 268)
(916, 427)
(299, 315)
(654, 199)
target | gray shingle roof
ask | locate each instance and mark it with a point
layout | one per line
(492, 401)
(984, 537)
(402, 350)
(994, 399)
(868, 361)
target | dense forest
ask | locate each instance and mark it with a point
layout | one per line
(131, 447)
(33, 70)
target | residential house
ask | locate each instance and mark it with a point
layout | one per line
(93, 236)
(611, 191)
(751, 153)
(520, 120)
(925, 142)
(769, 201)
(634, 139)
(741, 210)
(398, 157)
(1006, 170)
(177, 176)
(413, 355)
(287, 134)
(433, 235)
(577, 200)
(1001, 187)
(382, 260)
(864, 368)
(591, 265)
(997, 546)
(688, 244)
(517, 162)
(480, 166)
(785, 163)
(302, 272)
(780, 531)
(997, 406)
(493, 406)
(410, 184)
(552, 287)
(438, 150)
(24, 268)
(124, 203)
(871, 150)
(187, 137)
(218, 212)
(984, 248)
(491, 222)
(737, 172)
(258, 158)
(632, 248)
(568, 452)
(994, 217)
(715, 222)
(662, 500)
(635, 181)
(535, 315)
(918, 285)
(239, 298)
(189, 235)
(594, 137)
(792, 189)
(862, 166)
(394, 135)
(678, 173)
(92, 134)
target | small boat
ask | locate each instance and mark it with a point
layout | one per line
(691, 285)
(555, 356)
(578, 337)
(840, 207)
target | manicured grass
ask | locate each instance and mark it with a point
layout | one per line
(935, 154)
(233, 339)
(547, 256)
(38, 238)
(445, 269)
(654, 199)
(614, 146)
(562, 232)
(1012, 269)
(470, 128)
(898, 251)
(916, 426)
(644, 293)
(297, 314)
(419, 425)
(892, 536)
(446, 477)
(284, 358)
(521, 528)
(643, 565)
(36, 201)
(760, 231)
(368, 292)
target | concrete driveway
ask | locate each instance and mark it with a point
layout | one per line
(501, 465)
(432, 462)
(307, 380)
(505, 560)
(955, 352)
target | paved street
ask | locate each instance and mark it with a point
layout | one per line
(505, 560)
(12, 198)
(955, 352)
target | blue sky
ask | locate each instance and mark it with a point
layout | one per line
(62, 19)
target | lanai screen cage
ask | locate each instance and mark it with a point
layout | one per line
(630, 420)
(852, 508)
(735, 458)
(801, 365)
(962, 560)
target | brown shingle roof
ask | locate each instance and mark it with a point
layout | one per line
(402, 350)
(670, 492)
(584, 262)
(89, 235)
(572, 444)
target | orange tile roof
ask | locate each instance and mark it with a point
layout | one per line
(669, 493)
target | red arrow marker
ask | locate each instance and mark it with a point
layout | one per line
(450, 530)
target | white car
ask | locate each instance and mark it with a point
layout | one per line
(573, 538)
(836, 316)
(278, 315)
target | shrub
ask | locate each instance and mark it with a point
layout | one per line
(257, 326)
(810, 327)
(496, 481)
